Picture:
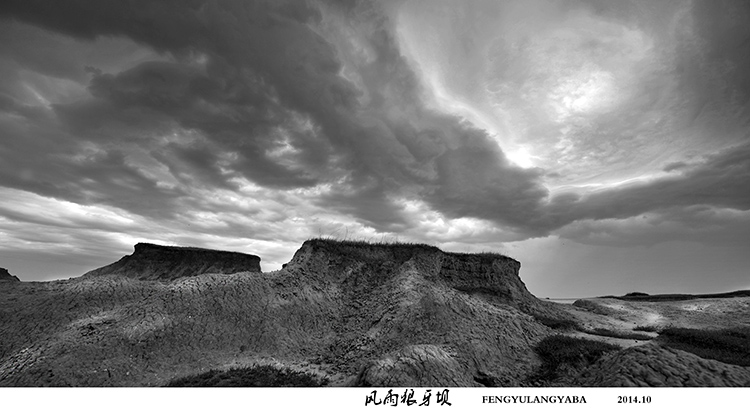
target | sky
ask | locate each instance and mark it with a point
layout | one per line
(605, 144)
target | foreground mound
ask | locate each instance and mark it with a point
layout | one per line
(155, 262)
(416, 365)
(653, 366)
(346, 308)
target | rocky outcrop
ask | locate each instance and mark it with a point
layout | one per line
(653, 366)
(397, 297)
(5, 276)
(492, 276)
(155, 262)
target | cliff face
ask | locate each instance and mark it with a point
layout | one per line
(402, 304)
(5, 276)
(492, 276)
(155, 262)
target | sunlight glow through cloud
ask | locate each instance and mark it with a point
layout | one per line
(545, 93)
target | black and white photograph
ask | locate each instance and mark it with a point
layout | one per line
(407, 202)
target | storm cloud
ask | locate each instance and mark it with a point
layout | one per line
(257, 124)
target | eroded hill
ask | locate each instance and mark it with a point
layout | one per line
(353, 313)
(338, 307)
(155, 262)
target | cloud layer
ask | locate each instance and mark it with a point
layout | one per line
(253, 125)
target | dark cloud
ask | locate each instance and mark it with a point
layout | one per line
(237, 116)
(699, 223)
(720, 181)
(476, 181)
(38, 157)
(723, 26)
(39, 51)
(272, 74)
(675, 166)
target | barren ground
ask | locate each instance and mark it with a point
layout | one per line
(625, 316)
(648, 363)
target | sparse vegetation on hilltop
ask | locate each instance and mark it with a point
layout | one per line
(646, 328)
(361, 243)
(632, 294)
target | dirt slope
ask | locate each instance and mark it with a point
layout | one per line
(340, 308)
(649, 363)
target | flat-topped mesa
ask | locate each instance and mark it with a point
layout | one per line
(484, 273)
(155, 262)
(5, 276)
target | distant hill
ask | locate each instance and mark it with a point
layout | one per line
(155, 262)
(637, 296)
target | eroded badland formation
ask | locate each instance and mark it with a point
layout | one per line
(5, 276)
(353, 313)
